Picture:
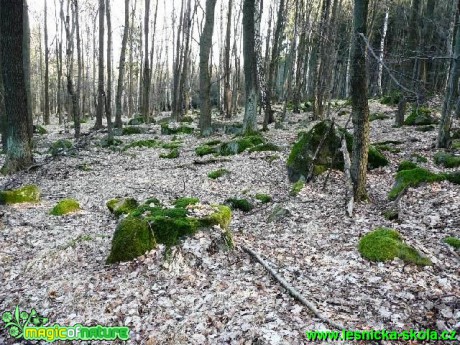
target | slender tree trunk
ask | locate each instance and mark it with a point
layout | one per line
(108, 98)
(146, 75)
(382, 50)
(100, 83)
(451, 90)
(14, 60)
(121, 69)
(205, 83)
(360, 106)
(250, 67)
(131, 64)
(227, 89)
(46, 117)
(77, 92)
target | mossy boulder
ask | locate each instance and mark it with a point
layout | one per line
(132, 238)
(204, 150)
(110, 142)
(234, 129)
(263, 198)
(447, 160)
(239, 204)
(131, 130)
(328, 136)
(240, 144)
(65, 206)
(420, 116)
(297, 187)
(413, 178)
(29, 193)
(59, 147)
(166, 129)
(122, 206)
(385, 244)
(135, 121)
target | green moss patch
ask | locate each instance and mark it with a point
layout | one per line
(429, 128)
(412, 178)
(328, 137)
(204, 150)
(60, 147)
(132, 238)
(106, 142)
(391, 214)
(187, 119)
(297, 187)
(453, 241)
(29, 193)
(385, 244)
(239, 204)
(122, 206)
(131, 130)
(40, 130)
(167, 130)
(407, 165)
(172, 145)
(265, 147)
(378, 116)
(240, 144)
(65, 206)
(393, 98)
(137, 120)
(419, 159)
(263, 198)
(185, 201)
(174, 153)
(447, 160)
(150, 143)
(420, 116)
(218, 173)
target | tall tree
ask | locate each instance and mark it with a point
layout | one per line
(100, 82)
(360, 106)
(13, 22)
(205, 84)
(250, 67)
(451, 90)
(121, 68)
(227, 89)
(108, 96)
(146, 76)
(46, 114)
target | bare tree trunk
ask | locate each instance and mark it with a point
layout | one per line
(146, 75)
(100, 83)
(360, 107)
(46, 115)
(205, 83)
(177, 67)
(250, 67)
(451, 90)
(121, 69)
(131, 64)
(108, 98)
(269, 118)
(382, 50)
(227, 89)
(14, 50)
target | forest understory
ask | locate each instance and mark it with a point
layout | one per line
(200, 295)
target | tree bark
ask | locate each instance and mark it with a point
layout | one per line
(108, 98)
(14, 72)
(100, 82)
(227, 89)
(250, 67)
(46, 114)
(205, 84)
(121, 69)
(146, 75)
(360, 106)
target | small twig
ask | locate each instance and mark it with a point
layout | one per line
(292, 291)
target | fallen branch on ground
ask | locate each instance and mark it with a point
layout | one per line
(292, 291)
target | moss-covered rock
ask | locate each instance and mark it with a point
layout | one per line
(110, 142)
(239, 204)
(265, 147)
(60, 147)
(135, 121)
(297, 187)
(174, 153)
(167, 130)
(171, 145)
(393, 98)
(122, 206)
(149, 143)
(29, 193)
(185, 201)
(407, 165)
(327, 135)
(391, 214)
(204, 150)
(420, 116)
(453, 241)
(131, 130)
(413, 178)
(239, 145)
(447, 160)
(385, 244)
(65, 206)
(263, 198)
(218, 173)
(132, 238)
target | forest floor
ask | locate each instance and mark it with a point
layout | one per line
(57, 264)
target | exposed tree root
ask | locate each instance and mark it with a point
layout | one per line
(292, 291)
